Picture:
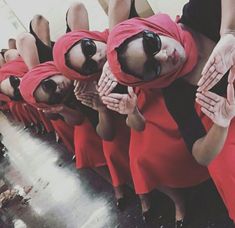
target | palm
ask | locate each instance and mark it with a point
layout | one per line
(224, 112)
(219, 109)
(220, 61)
(127, 104)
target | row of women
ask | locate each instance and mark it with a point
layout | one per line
(136, 97)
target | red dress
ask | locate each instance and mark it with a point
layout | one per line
(222, 169)
(158, 155)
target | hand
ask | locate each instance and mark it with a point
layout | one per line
(121, 103)
(219, 109)
(79, 87)
(92, 100)
(107, 81)
(219, 62)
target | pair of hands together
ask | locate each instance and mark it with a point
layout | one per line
(219, 109)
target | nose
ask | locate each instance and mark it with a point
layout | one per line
(161, 56)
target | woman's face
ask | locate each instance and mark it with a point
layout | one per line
(88, 56)
(10, 87)
(53, 89)
(168, 59)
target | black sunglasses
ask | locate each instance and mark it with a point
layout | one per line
(15, 82)
(89, 49)
(49, 86)
(152, 45)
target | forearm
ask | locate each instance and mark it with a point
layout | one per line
(72, 117)
(136, 120)
(227, 18)
(119, 11)
(207, 148)
(105, 126)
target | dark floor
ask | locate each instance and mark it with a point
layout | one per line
(59, 196)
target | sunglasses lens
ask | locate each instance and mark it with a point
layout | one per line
(88, 47)
(55, 98)
(151, 42)
(49, 86)
(14, 81)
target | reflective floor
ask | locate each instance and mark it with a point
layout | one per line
(59, 196)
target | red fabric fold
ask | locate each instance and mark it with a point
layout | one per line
(162, 25)
(65, 42)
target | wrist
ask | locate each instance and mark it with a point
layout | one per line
(227, 32)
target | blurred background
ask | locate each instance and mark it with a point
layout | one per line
(15, 15)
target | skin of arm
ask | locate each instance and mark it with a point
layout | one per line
(221, 111)
(227, 19)
(105, 127)
(136, 120)
(71, 116)
(207, 148)
(118, 11)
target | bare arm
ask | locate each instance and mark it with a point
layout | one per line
(71, 116)
(208, 147)
(227, 20)
(126, 104)
(118, 11)
(221, 111)
(105, 127)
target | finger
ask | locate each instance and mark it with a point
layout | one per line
(208, 113)
(131, 91)
(113, 85)
(110, 99)
(108, 84)
(212, 96)
(209, 64)
(116, 95)
(111, 104)
(213, 82)
(207, 81)
(112, 108)
(230, 94)
(204, 104)
(87, 104)
(205, 99)
(231, 76)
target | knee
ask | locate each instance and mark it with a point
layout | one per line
(24, 38)
(11, 54)
(77, 7)
(38, 18)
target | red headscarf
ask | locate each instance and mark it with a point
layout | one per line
(33, 78)
(15, 67)
(64, 43)
(162, 25)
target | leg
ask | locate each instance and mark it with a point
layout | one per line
(2, 60)
(26, 45)
(176, 196)
(12, 43)
(40, 27)
(11, 54)
(77, 17)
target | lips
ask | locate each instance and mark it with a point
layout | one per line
(175, 57)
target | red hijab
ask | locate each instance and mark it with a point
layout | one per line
(15, 67)
(64, 43)
(33, 78)
(162, 25)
